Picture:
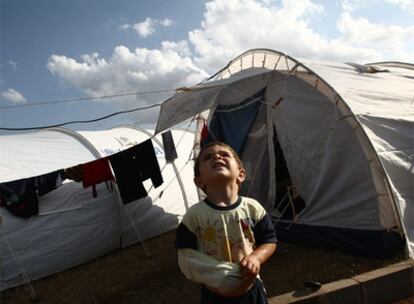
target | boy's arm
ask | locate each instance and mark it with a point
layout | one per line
(250, 265)
(266, 240)
(201, 268)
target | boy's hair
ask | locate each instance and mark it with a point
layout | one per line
(215, 143)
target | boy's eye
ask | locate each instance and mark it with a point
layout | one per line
(207, 157)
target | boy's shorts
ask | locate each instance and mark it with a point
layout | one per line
(256, 295)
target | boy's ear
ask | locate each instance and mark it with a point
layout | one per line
(198, 182)
(242, 176)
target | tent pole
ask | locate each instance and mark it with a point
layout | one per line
(138, 234)
(180, 182)
(123, 211)
(26, 279)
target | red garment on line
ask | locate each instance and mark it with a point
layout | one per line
(204, 132)
(96, 172)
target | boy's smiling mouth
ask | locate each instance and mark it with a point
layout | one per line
(218, 165)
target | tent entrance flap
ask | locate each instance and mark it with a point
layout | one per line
(231, 124)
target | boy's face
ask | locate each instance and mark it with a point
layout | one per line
(218, 166)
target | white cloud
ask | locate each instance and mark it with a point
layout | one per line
(403, 4)
(126, 69)
(125, 27)
(144, 29)
(353, 5)
(391, 40)
(231, 27)
(180, 47)
(147, 27)
(130, 71)
(166, 22)
(13, 64)
(13, 96)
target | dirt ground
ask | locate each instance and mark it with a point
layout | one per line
(128, 276)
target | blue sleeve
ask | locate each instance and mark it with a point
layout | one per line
(264, 231)
(185, 238)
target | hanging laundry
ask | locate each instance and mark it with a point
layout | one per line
(19, 197)
(49, 182)
(74, 173)
(169, 146)
(132, 167)
(96, 172)
(204, 133)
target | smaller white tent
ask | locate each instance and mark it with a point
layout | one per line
(73, 227)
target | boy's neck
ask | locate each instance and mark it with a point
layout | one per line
(224, 196)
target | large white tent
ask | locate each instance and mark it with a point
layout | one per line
(344, 132)
(74, 227)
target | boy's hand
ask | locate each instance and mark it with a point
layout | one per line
(250, 266)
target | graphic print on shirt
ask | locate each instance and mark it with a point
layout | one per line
(230, 239)
(208, 235)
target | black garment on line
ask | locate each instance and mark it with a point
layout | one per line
(48, 182)
(132, 167)
(169, 146)
(20, 197)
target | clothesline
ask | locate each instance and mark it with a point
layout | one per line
(68, 100)
(82, 121)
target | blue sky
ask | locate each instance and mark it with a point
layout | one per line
(60, 50)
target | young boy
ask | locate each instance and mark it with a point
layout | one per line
(223, 241)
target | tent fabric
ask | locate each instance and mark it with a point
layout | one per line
(46, 244)
(347, 135)
(74, 227)
(23, 155)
